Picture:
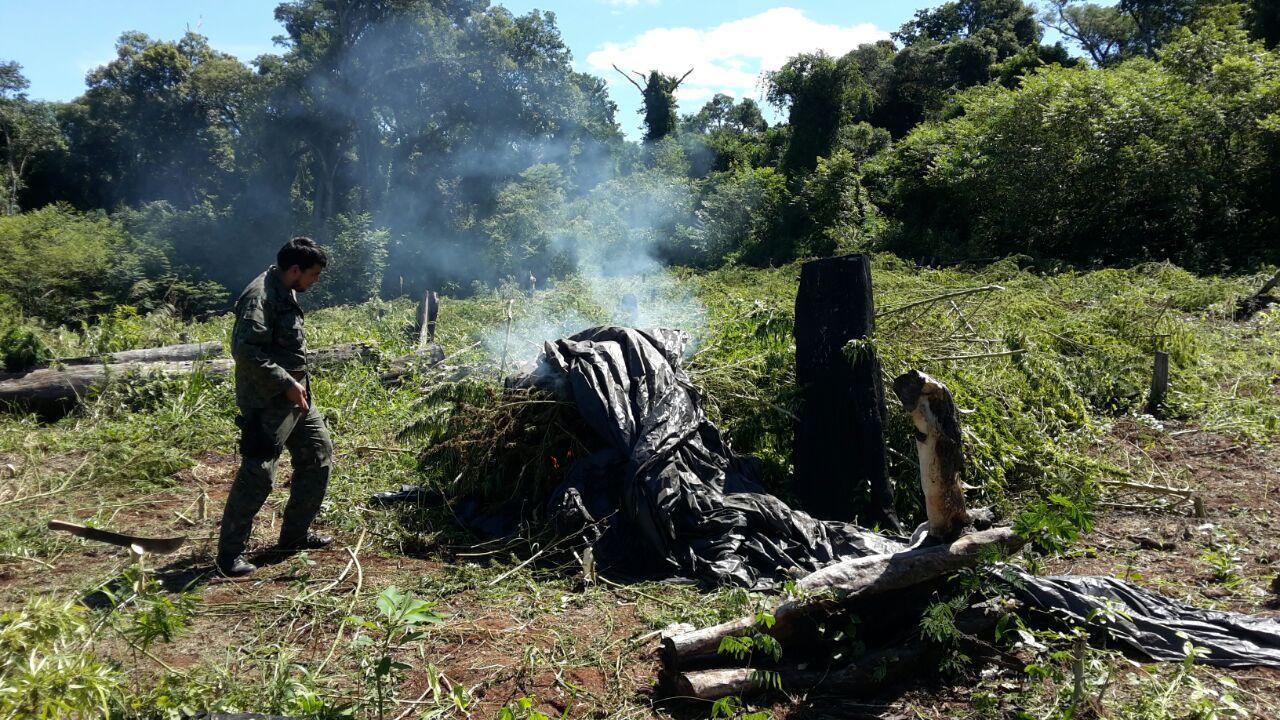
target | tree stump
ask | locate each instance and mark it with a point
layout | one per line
(840, 467)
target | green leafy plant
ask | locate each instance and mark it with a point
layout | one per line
(732, 708)
(121, 329)
(753, 640)
(47, 666)
(400, 618)
(1224, 565)
(1055, 523)
(522, 709)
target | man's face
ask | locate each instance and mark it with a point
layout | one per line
(309, 277)
(295, 278)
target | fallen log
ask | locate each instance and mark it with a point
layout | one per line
(841, 582)
(1248, 307)
(52, 392)
(165, 353)
(427, 356)
(888, 666)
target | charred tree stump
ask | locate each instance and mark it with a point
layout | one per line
(840, 468)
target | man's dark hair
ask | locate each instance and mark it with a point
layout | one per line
(303, 252)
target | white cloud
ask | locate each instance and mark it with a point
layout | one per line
(629, 3)
(730, 57)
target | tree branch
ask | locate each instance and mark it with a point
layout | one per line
(633, 82)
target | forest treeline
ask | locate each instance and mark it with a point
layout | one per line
(445, 143)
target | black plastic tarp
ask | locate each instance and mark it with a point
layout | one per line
(1150, 625)
(666, 498)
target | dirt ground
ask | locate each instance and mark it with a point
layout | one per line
(592, 652)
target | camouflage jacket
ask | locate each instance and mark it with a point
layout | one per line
(267, 342)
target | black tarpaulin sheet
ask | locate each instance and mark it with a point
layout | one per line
(1153, 626)
(666, 498)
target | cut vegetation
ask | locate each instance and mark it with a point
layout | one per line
(1048, 387)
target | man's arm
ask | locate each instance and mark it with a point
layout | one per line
(249, 342)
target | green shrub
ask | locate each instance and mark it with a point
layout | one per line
(46, 667)
(22, 349)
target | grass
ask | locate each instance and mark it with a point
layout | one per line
(1066, 355)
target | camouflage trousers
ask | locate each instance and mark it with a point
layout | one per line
(264, 434)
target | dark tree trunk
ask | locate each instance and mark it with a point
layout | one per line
(840, 468)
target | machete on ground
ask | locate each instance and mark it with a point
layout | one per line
(157, 546)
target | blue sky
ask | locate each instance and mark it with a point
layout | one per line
(728, 43)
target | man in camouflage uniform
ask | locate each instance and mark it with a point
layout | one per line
(273, 393)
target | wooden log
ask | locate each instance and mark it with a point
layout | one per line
(187, 351)
(405, 365)
(840, 467)
(341, 354)
(849, 579)
(896, 663)
(858, 577)
(715, 683)
(52, 392)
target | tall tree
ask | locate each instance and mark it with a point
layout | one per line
(26, 129)
(659, 107)
(954, 46)
(159, 122)
(1129, 28)
(1104, 32)
(821, 95)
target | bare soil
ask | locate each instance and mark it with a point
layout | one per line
(590, 652)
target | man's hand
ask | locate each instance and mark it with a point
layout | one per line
(298, 396)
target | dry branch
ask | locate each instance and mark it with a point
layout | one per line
(876, 669)
(1153, 489)
(849, 579)
(936, 298)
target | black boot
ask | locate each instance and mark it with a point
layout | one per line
(310, 541)
(235, 567)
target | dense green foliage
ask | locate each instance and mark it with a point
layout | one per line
(1174, 159)
(453, 142)
(62, 265)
